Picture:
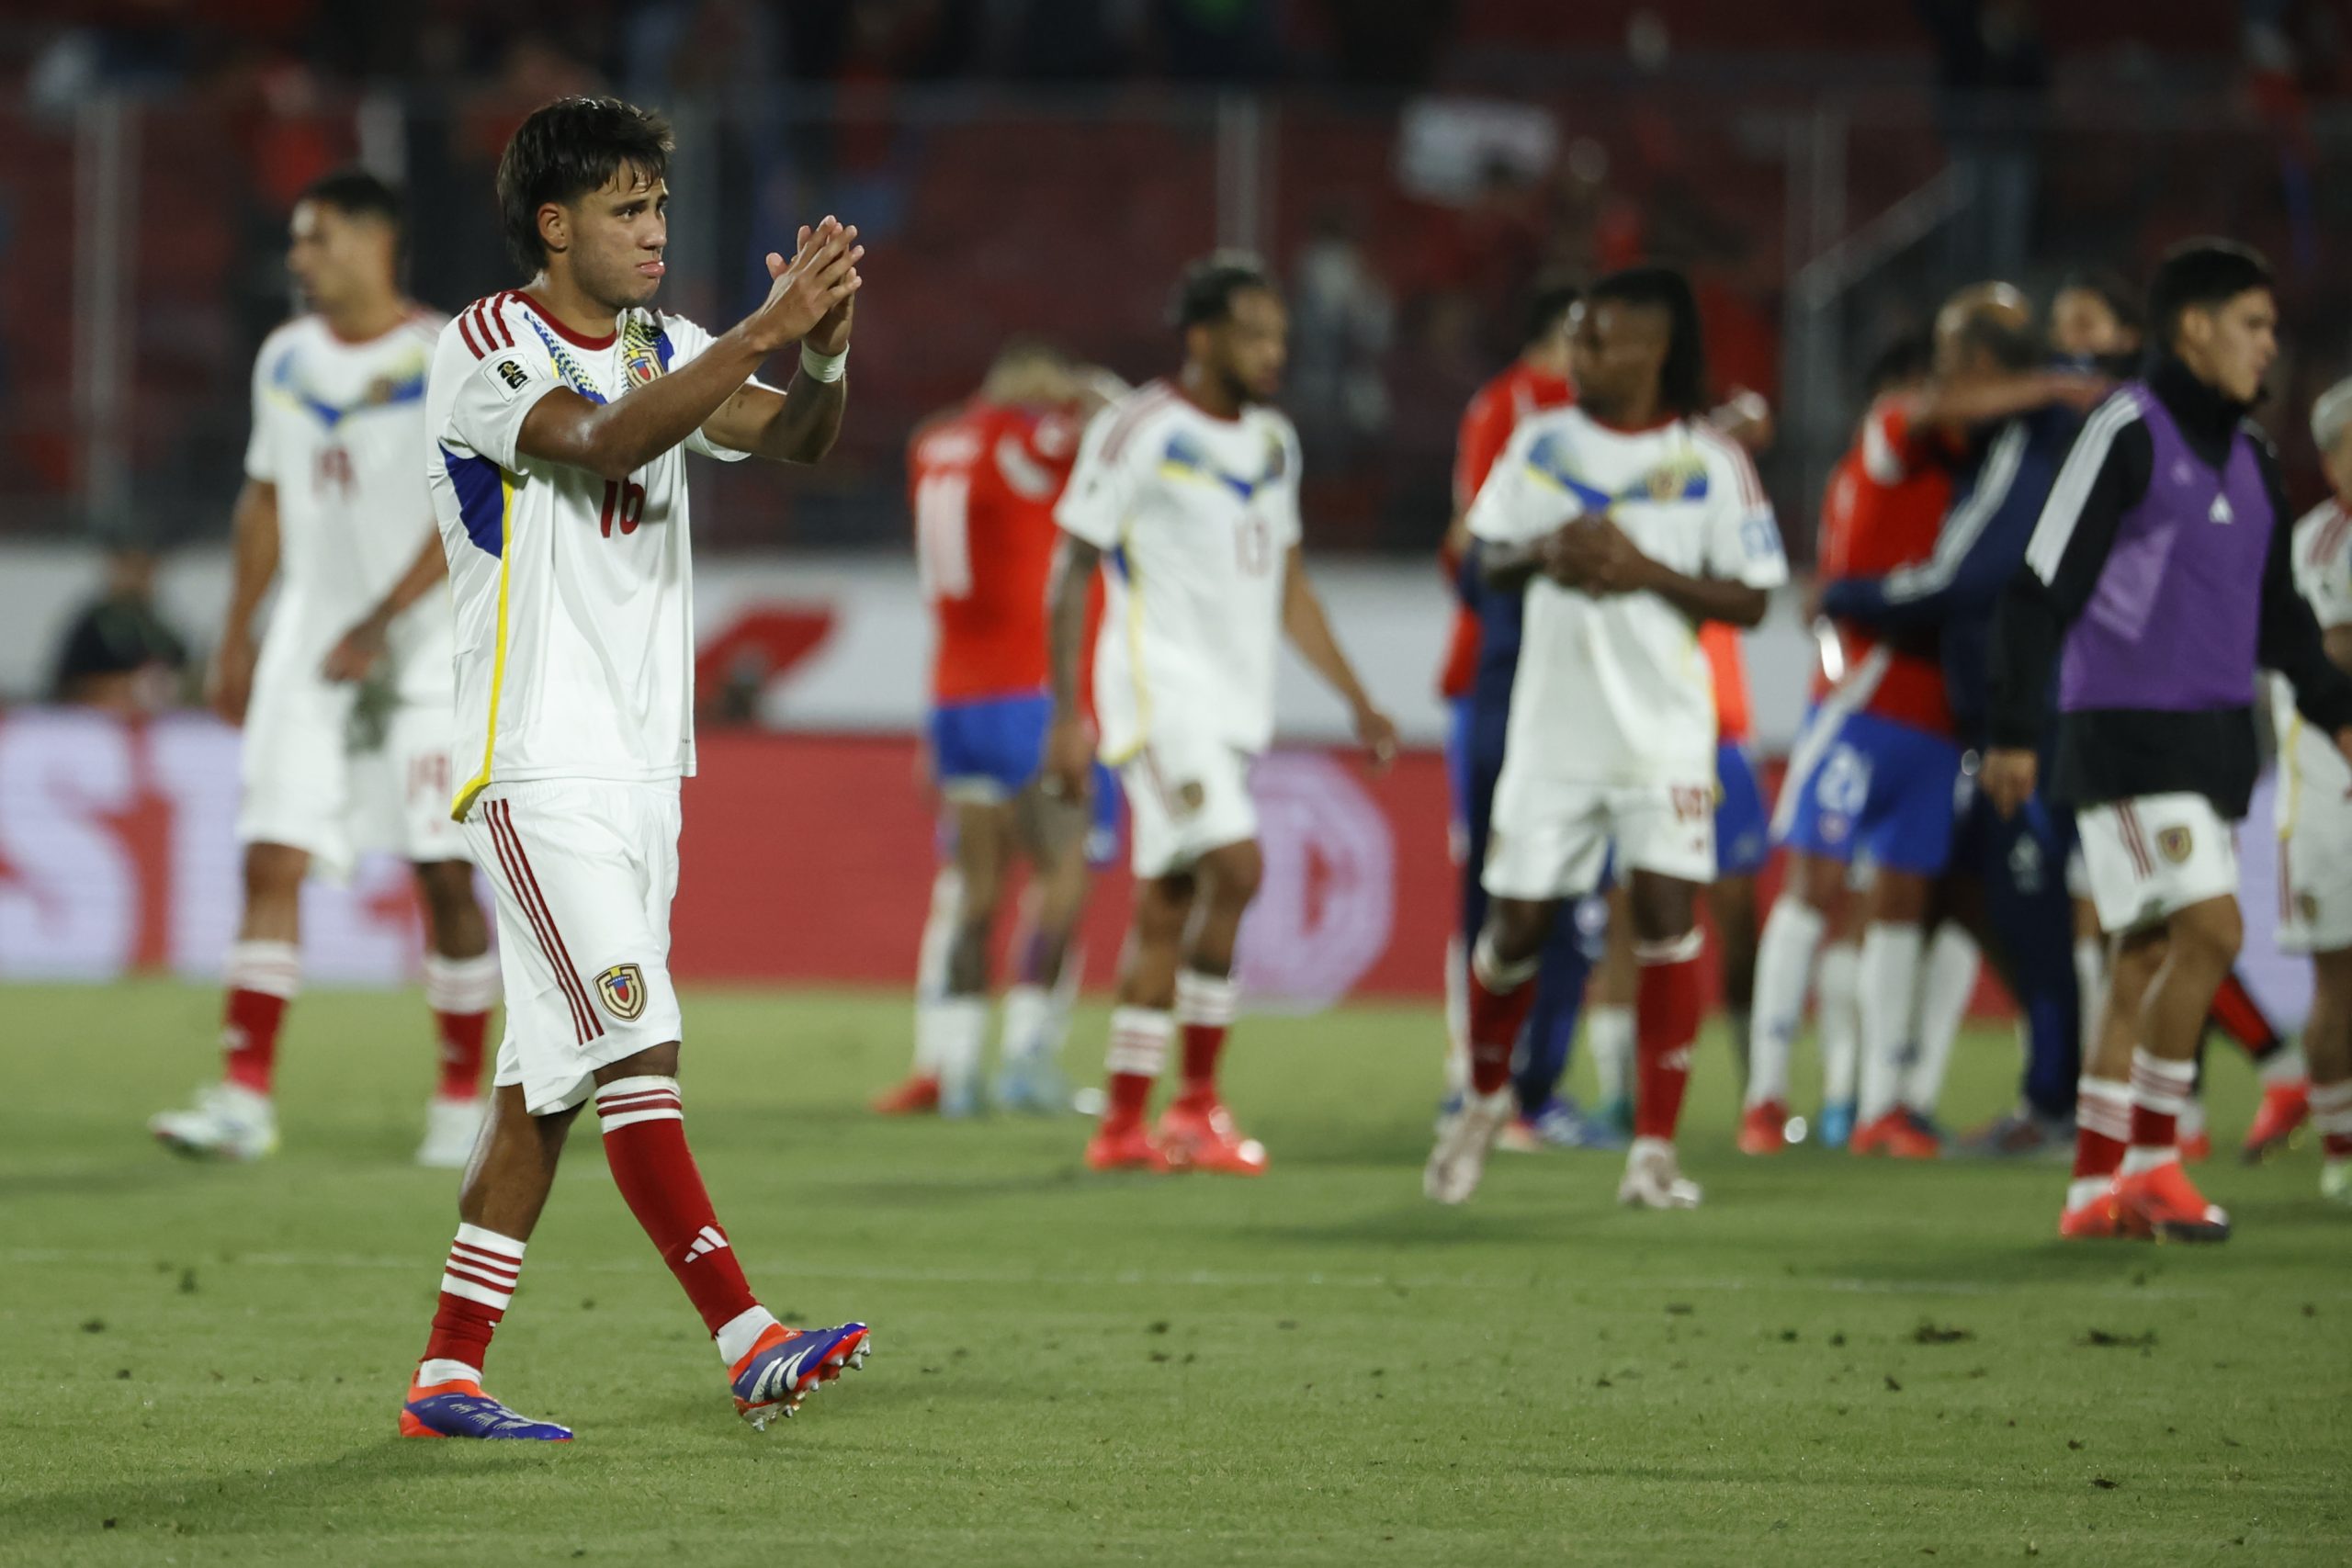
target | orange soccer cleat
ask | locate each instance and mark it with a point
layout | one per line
(919, 1096)
(2285, 1108)
(2098, 1220)
(1899, 1135)
(2196, 1147)
(1127, 1147)
(2165, 1204)
(1764, 1129)
(1199, 1132)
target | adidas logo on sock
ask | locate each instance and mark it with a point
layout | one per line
(709, 1242)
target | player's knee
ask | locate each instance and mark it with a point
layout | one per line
(1235, 872)
(275, 870)
(1662, 910)
(2210, 933)
(448, 888)
(1515, 929)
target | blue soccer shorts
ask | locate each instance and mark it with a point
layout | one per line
(1743, 831)
(1864, 787)
(986, 752)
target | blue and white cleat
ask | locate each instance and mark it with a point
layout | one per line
(787, 1365)
(1031, 1083)
(1837, 1124)
(462, 1410)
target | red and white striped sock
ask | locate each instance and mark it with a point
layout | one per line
(1666, 1023)
(644, 1124)
(262, 977)
(1205, 1004)
(1500, 995)
(2102, 1130)
(2332, 1119)
(1137, 1055)
(2161, 1091)
(461, 991)
(477, 1284)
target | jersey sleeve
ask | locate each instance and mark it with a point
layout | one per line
(686, 339)
(1102, 481)
(2324, 570)
(1486, 429)
(1522, 497)
(262, 455)
(497, 382)
(1743, 536)
(1282, 512)
(1890, 441)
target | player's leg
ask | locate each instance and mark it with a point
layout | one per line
(1610, 996)
(1196, 1128)
(1837, 1020)
(1813, 887)
(1055, 837)
(918, 1093)
(461, 986)
(2277, 1064)
(1743, 843)
(2103, 1097)
(1143, 1021)
(2327, 1046)
(985, 847)
(1947, 981)
(1665, 836)
(1470, 772)
(1547, 1118)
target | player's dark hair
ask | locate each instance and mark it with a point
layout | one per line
(1545, 307)
(1682, 379)
(1204, 294)
(566, 149)
(1908, 359)
(2117, 296)
(2200, 273)
(356, 192)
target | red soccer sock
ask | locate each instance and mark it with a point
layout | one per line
(1204, 1008)
(1666, 1023)
(262, 977)
(1138, 1051)
(645, 1144)
(477, 1285)
(2160, 1092)
(2332, 1116)
(461, 991)
(2242, 1019)
(1500, 995)
(2102, 1130)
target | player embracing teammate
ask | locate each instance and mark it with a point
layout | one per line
(1630, 522)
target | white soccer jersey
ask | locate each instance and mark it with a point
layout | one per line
(336, 430)
(1197, 515)
(574, 614)
(2316, 776)
(1615, 690)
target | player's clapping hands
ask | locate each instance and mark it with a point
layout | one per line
(1594, 553)
(809, 301)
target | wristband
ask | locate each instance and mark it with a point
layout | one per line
(822, 366)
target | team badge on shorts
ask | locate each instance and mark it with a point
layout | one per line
(623, 988)
(2307, 905)
(2173, 844)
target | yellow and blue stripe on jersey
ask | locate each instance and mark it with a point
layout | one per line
(486, 509)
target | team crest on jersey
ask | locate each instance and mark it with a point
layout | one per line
(641, 350)
(1678, 478)
(2174, 844)
(623, 988)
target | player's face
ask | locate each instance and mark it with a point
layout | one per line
(333, 255)
(616, 238)
(1249, 349)
(2337, 461)
(2233, 344)
(1616, 353)
(2083, 325)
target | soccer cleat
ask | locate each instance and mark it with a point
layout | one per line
(462, 1410)
(1899, 1134)
(1200, 1135)
(227, 1121)
(1032, 1084)
(919, 1096)
(1129, 1148)
(2023, 1133)
(2163, 1202)
(2098, 1220)
(1837, 1124)
(1764, 1129)
(1654, 1179)
(450, 1128)
(959, 1094)
(787, 1365)
(2336, 1181)
(1462, 1140)
(1560, 1123)
(2284, 1107)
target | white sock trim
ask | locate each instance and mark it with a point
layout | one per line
(440, 1369)
(1673, 950)
(1500, 978)
(273, 968)
(2103, 1107)
(2161, 1085)
(461, 984)
(625, 1102)
(1139, 1039)
(2084, 1189)
(484, 1267)
(2139, 1158)
(738, 1333)
(1206, 998)
(2332, 1108)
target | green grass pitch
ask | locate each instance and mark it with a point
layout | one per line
(1829, 1363)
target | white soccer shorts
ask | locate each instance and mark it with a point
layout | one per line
(1185, 798)
(585, 871)
(303, 787)
(2151, 856)
(1551, 840)
(2315, 875)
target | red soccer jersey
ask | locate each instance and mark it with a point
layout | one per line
(983, 481)
(1487, 425)
(1884, 508)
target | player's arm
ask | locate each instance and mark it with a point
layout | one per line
(800, 424)
(1310, 631)
(2104, 475)
(616, 438)
(254, 564)
(2289, 640)
(1069, 752)
(1985, 400)
(1976, 551)
(357, 653)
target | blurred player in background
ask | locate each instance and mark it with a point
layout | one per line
(2159, 577)
(2316, 804)
(1631, 521)
(1189, 489)
(559, 417)
(347, 704)
(982, 481)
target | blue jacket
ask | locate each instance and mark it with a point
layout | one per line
(1997, 497)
